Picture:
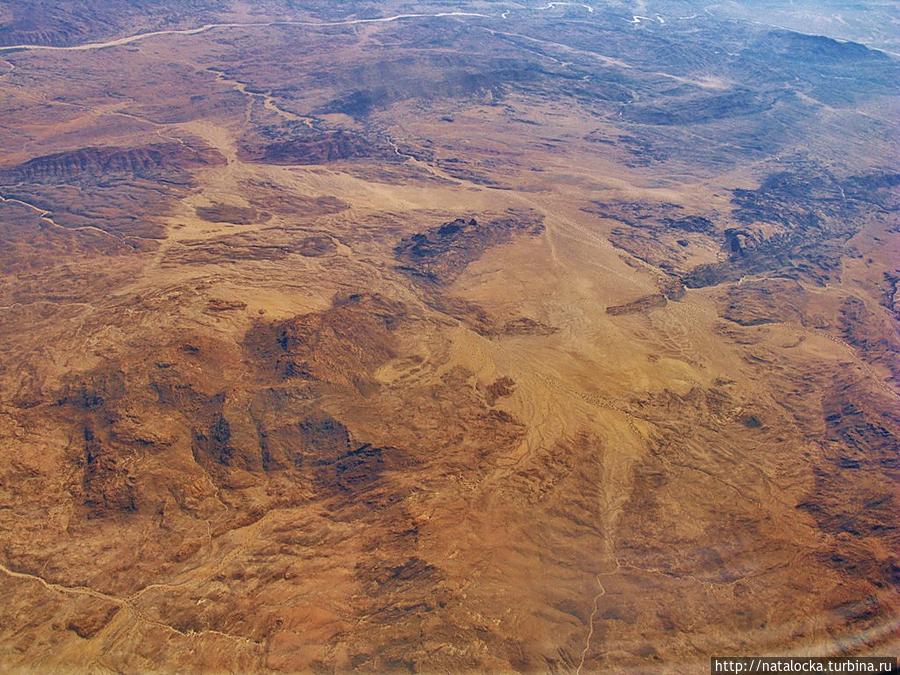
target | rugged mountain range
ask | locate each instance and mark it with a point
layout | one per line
(446, 336)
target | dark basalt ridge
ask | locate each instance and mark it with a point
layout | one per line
(343, 345)
(293, 144)
(813, 213)
(641, 305)
(656, 233)
(100, 186)
(764, 301)
(439, 255)
(229, 213)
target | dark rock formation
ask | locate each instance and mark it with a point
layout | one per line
(107, 484)
(341, 345)
(641, 305)
(302, 145)
(439, 255)
(100, 186)
(814, 214)
(229, 213)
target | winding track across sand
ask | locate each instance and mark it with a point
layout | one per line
(44, 216)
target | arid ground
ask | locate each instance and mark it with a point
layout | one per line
(447, 336)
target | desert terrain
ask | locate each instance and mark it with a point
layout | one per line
(446, 336)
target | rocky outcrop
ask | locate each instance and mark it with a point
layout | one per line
(439, 255)
(120, 190)
(639, 306)
(499, 389)
(108, 486)
(341, 345)
(273, 198)
(367, 89)
(141, 162)
(701, 108)
(229, 213)
(875, 337)
(302, 145)
(852, 501)
(213, 442)
(60, 24)
(797, 223)
(656, 233)
(765, 301)
(273, 244)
